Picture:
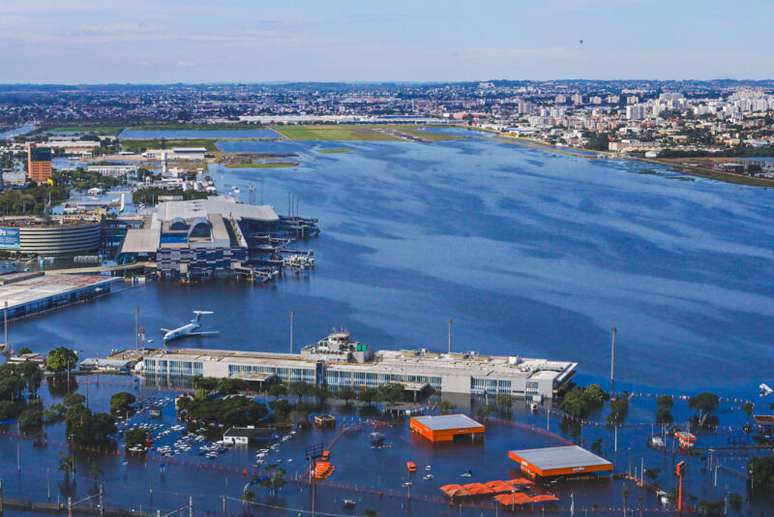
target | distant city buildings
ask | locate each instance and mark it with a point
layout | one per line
(39, 167)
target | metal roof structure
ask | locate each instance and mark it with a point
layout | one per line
(224, 206)
(560, 458)
(145, 240)
(40, 287)
(445, 422)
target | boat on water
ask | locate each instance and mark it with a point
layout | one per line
(377, 439)
(411, 466)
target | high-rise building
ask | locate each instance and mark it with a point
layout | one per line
(577, 99)
(38, 163)
(635, 112)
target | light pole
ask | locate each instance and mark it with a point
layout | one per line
(449, 338)
(613, 333)
(292, 316)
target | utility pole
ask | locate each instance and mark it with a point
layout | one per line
(615, 438)
(613, 332)
(101, 499)
(190, 506)
(5, 326)
(18, 450)
(450, 334)
(292, 318)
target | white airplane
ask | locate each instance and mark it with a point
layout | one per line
(765, 390)
(190, 329)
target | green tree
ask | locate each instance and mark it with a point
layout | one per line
(31, 421)
(9, 409)
(368, 396)
(594, 395)
(281, 408)
(278, 390)
(273, 478)
(87, 428)
(347, 394)
(574, 404)
(445, 407)
(760, 472)
(121, 402)
(73, 399)
(230, 386)
(391, 393)
(66, 467)
(135, 437)
(61, 359)
(705, 403)
(664, 405)
(247, 495)
(619, 408)
(24, 350)
(748, 408)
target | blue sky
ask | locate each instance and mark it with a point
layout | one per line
(162, 41)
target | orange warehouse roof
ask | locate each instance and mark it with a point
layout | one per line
(447, 422)
(559, 461)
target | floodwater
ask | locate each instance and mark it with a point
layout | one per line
(530, 253)
(372, 477)
(28, 127)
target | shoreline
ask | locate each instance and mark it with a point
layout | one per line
(701, 172)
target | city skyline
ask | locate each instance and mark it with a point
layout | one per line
(431, 42)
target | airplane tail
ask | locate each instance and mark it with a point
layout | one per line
(198, 315)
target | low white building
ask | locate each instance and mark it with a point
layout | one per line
(464, 373)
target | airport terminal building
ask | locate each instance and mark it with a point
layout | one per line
(462, 373)
(198, 237)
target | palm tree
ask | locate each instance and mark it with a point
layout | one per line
(66, 466)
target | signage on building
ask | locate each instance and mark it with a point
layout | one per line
(9, 238)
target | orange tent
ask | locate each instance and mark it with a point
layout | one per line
(544, 498)
(454, 490)
(517, 482)
(517, 498)
(477, 489)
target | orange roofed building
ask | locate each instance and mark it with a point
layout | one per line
(445, 428)
(568, 460)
